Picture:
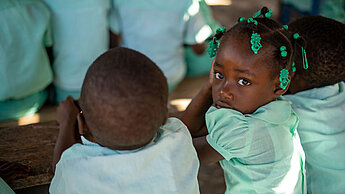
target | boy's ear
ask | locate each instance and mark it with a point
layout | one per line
(166, 117)
(82, 127)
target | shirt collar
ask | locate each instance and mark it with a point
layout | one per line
(323, 92)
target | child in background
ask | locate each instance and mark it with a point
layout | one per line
(159, 29)
(128, 144)
(81, 34)
(251, 129)
(318, 98)
(24, 65)
(200, 64)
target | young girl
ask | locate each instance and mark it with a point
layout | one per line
(251, 130)
(318, 98)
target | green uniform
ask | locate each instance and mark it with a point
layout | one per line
(322, 131)
(262, 151)
(24, 65)
(81, 33)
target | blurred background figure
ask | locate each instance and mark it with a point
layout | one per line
(159, 29)
(24, 64)
(334, 9)
(80, 32)
(200, 63)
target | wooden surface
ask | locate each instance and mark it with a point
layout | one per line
(30, 145)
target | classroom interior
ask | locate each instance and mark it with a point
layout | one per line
(31, 139)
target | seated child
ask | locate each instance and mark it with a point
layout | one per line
(200, 64)
(251, 129)
(318, 98)
(81, 34)
(25, 70)
(128, 144)
(159, 29)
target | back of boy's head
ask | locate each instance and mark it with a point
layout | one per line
(272, 35)
(124, 99)
(325, 49)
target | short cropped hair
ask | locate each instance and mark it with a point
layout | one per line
(325, 50)
(124, 99)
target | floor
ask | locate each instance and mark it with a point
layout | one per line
(211, 178)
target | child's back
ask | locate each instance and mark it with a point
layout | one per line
(123, 99)
(81, 33)
(159, 29)
(24, 65)
(319, 101)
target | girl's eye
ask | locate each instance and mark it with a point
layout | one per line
(244, 82)
(218, 75)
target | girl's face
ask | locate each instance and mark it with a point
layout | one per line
(242, 80)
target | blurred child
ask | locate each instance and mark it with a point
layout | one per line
(200, 64)
(159, 29)
(81, 34)
(128, 144)
(24, 65)
(251, 129)
(318, 98)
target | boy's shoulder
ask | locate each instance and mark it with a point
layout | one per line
(172, 129)
(327, 93)
(170, 152)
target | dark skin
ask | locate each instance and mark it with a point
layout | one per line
(298, 84)
(69, 116)
(239, 80)
(66, 115)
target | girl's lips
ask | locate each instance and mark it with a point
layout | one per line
(221, 104)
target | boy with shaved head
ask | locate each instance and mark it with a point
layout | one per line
(127, 143)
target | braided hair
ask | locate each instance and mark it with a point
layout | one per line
(325, 48)
(272, 33)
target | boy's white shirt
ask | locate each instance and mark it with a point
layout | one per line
(168, 164)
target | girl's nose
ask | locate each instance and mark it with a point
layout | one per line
(226, 93)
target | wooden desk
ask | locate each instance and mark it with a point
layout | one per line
(30, 145)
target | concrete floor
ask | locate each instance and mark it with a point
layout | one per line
(211, 177)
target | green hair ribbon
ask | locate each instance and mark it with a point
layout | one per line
(251, 20)
(293, 67)
(304, 54)
(255, 41)
(283, 51)
(284, 78)
(268, 14)
(257, 14)
(214, 44)
(212, 47)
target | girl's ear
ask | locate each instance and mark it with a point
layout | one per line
(278, 91)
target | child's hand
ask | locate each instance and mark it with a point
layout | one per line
(66, 113)
(10, 171)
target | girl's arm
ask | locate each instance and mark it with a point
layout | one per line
(206, 153)
(194, 116)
